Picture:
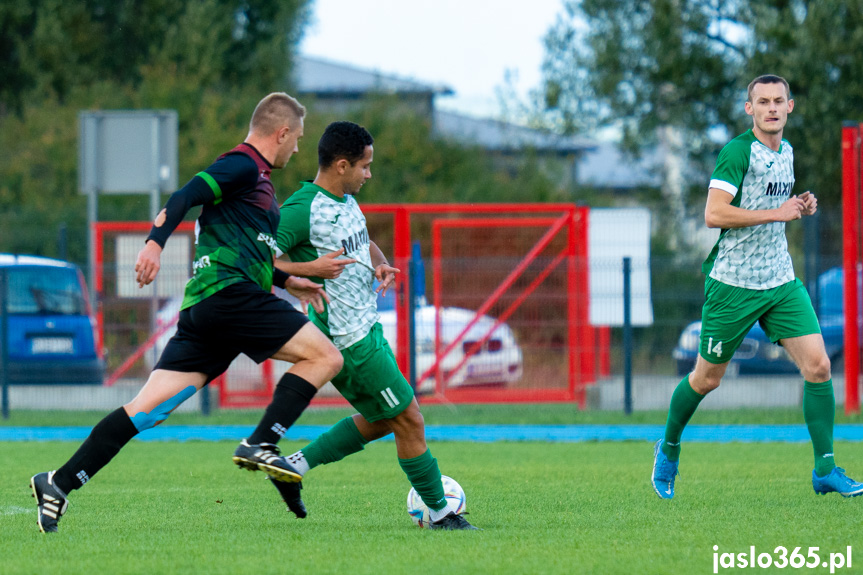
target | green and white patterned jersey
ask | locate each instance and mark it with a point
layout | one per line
(315, 222)
(759, 178)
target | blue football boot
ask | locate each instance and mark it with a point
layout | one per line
(664, 472)
(836, 481)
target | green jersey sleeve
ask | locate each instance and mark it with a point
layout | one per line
(293, 225)
(731, 166)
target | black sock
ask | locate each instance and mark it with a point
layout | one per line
(105, 441)
(293, 394)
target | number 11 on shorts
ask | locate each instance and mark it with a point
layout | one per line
(714, 349)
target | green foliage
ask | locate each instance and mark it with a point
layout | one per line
(645, 64)
(56, 46)
(686, 63)
(16, 23)
(211, 61)
(39, 183)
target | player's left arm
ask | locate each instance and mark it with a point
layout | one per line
(225, 177)
(384, 272)
(194, 193)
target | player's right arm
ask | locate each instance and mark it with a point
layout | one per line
(719, 213)
(722, 211)
(218, 182)
(327, 267)
(294, 242)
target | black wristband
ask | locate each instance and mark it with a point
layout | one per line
(280, 278)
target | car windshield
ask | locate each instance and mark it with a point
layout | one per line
(44, 290)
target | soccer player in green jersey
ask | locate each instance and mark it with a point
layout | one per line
(228, 309)
(750, 278)
(323, 232)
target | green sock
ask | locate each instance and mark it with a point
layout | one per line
(424, 475)
(819, 411)
(684, 402)
(334, 444)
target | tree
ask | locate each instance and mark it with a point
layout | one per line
(665, 71)
(644, 63)
(818, 48)
(211, 60)
(679, 68)
(16, 23)
(51, 47)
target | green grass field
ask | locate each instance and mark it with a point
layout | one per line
(545, 508)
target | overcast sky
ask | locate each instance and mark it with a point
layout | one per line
(467, 45)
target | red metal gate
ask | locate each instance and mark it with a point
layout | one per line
(548, 313)
(509, 283)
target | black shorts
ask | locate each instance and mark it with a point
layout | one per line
(241, 318)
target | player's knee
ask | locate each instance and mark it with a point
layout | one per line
(707, 386)
(411, 418)
(818, 369)
(705, 383)
(332, 357)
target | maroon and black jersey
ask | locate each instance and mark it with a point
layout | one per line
(235, 233)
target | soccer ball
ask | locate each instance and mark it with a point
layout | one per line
(454, 495)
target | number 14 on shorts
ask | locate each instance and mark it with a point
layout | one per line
(714, 349)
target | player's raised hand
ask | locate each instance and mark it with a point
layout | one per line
(308, 292)
(329, 266)
(148, 263)
(386, 274)
(791, 209)
(810, 203)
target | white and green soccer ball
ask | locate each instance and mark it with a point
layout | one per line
(420, 513)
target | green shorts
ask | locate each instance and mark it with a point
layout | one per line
(370, 378)
(729, 312)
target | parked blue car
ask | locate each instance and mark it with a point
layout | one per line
(51, 337)
(757, 355)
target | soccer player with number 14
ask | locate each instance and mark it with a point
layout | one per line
(750, 278)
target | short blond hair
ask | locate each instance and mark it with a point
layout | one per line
(273, 111)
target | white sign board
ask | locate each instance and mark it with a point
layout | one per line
(127, 151)
(173, 275)
(615, 233)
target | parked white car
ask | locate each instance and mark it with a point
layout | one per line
(498, 362)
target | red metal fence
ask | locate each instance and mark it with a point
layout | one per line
(508, 304)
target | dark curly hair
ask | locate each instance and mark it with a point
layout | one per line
(343, 140)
